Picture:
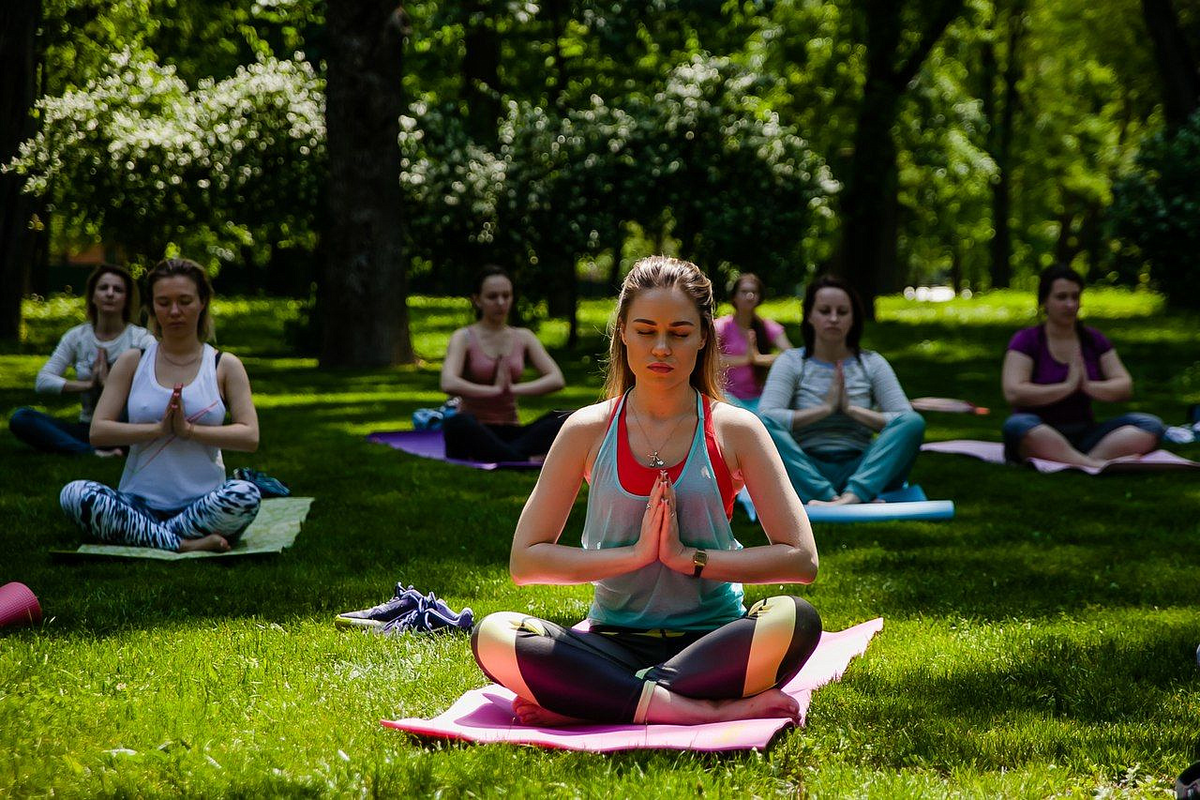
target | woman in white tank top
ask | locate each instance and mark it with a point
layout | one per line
(175, 393)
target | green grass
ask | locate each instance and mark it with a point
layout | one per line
(1040, 644)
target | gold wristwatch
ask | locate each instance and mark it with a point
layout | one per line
(699, 561)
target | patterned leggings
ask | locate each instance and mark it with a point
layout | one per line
(117, 518)
(608, 674)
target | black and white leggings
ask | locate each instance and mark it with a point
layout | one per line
(117, 518)
(608, 674)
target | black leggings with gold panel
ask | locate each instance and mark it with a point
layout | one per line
(608, 674)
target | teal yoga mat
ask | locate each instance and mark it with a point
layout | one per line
(276, 527)
(908, 503)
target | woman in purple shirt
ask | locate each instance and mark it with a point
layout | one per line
(1053, 371)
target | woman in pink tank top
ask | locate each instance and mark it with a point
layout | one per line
(484, 365)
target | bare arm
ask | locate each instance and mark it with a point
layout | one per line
(107, 430)
(1117, 385)
(1019, 390)
(241, 433)
(536, 556)
(791, 556)
(453, 382)
(550, 378)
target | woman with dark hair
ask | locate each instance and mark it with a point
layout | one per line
(824, 403)
(175, 394)
(749, 343)
(484, 364)
(669, 640)
(1051, 374)
(89, 348)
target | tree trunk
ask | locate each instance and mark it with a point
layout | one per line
(481, 72)
(19, 21)
(867, 253)
(1000, 113)
(1176, 63)
(363, 288)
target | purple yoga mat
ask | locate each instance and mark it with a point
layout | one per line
(993, 452)
(431, 444)
(485, 715)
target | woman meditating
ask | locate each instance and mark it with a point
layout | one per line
(175, 394)
(484, 364)
(1051, 374)
(843, 425)
(669, 638)
(90, 349)
(749, 343)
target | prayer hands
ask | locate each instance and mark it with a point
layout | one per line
(671, 550)
(647, 545)
(100, 368)
(1076, 373)
(175, 421)
(835, 399)
(503, 381)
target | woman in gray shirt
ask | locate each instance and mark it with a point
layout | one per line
(824, 403)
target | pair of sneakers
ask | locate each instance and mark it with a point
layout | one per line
(408, 610)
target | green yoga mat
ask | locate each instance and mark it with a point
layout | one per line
(276, 526)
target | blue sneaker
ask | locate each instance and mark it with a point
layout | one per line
(431, 616)
(405, 602)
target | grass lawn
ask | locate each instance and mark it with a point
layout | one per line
(1042, 643)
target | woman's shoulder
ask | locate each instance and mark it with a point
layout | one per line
(1025, 340)
(589, 421)
(77, 333)
(727, 416)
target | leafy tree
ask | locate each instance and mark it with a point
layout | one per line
(1155, 209)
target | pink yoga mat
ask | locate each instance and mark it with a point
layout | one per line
(431, 444)
(993, 452)
(485, 715)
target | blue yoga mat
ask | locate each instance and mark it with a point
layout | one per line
(909, 503)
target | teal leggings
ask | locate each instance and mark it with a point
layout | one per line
(885, 463)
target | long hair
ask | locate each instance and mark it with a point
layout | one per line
(662, 272)
(762, 340)
(856, 313)
(1046, 280)
(169, 268)
(131, 297)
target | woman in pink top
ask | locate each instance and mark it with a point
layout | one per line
(749, 343)
(484, 365)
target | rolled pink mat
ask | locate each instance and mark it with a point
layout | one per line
(18, 605)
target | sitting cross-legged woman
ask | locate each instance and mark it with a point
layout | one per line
(840, 419)
(484, 364)
(669, 639)
(89, 349)
(175, 394)
(1051, 374)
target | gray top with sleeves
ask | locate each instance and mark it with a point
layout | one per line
(78, 348)
(796, 383)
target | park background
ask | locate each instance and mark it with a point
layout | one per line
(342, 168)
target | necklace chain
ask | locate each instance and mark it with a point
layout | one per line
(187, 363)
(655, 461)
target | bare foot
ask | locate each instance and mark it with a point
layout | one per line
(214, 542)
(771, 704)
(843, 499)
(533, 714)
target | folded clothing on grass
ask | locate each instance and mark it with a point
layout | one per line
(485, 715)
(276, 527)
(432, 444)
(909, 503)
(993, 452)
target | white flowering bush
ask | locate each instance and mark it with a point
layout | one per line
(141, 159)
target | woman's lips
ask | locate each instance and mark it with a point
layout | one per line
(663, 368)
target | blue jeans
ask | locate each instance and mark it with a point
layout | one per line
(50, 434)
(1083, 436)
(884, 465)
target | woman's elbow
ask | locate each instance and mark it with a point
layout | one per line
(517, 569)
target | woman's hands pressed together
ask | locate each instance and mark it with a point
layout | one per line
(659, 539)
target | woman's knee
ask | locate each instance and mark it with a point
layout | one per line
(1146, 422)
(75, 497)
(494, 644)
(244, 496)
(22, 421)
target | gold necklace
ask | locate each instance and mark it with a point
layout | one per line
(655, 461)
(187, 363)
